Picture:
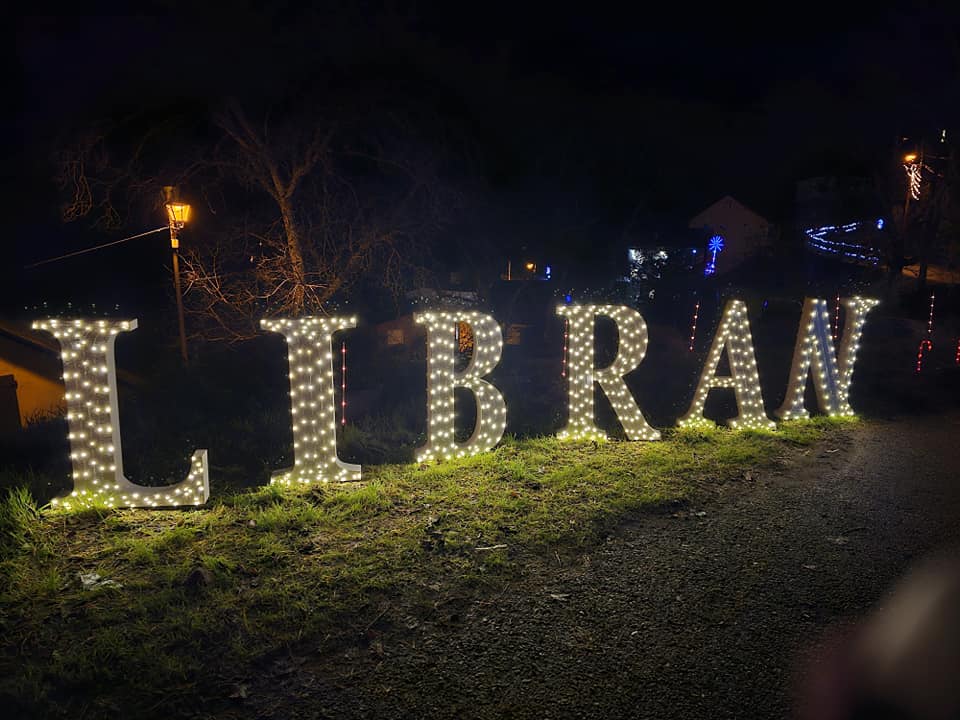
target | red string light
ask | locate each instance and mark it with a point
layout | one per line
(693, 327)
(925, 346)
(566, 331)
(836, 319)
(343, 383)
(956, 358)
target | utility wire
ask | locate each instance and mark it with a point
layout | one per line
(95, 247)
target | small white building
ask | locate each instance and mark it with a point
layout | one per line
(742, 234)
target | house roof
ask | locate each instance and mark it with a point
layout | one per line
(725, 204)
(47, 352)
(35, 340)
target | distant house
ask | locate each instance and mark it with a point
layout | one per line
(732, 233)
(30, 376)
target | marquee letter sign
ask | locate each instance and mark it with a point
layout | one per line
(90, 377)
(631, 347)
(814, 351)
(442, 380)
(93, 422)
(313, 409)
(733, 336)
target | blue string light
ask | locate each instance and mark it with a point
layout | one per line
(828, 240)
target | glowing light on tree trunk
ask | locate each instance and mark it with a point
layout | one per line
(814, 354)
(313, 410)
(443, 338)
(733, 337)
(93, 421)
(632, 346)
(914, 178)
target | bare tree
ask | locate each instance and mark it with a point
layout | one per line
(300, 212)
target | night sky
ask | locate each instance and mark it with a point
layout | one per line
(583, 121)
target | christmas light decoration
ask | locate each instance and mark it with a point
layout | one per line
(442, 380)
(632, 346)
(814, 351)
(343, 383)
(733, 337)
(93, 422)
(926, 345)
(693, 326)
(836, 317)
(914, 177)
(715, 246)
(829, 240)
(313, 409)
(566, 337)
(956, 358)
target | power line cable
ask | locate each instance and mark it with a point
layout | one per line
(95, 247)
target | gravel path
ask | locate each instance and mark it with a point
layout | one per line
(704, 613)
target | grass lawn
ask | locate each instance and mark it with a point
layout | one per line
(196, 596)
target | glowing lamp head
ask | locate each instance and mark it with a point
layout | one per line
(178, 214)
(530, 266)
(910, 157)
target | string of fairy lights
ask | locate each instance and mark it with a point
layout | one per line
(733, 337)
(693, 325)
(343, 383)
(582, 373)
(914, 177)
(814, 355)
(443, 335)
(926, 344)
(89, 373)
(313, 411)
(93, 423)
(566, 338)
(836, 317)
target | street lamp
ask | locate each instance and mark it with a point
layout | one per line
(178, 214)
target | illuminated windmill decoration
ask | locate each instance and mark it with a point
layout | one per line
(714, 247)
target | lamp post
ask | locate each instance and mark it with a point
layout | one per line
(178, 214)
